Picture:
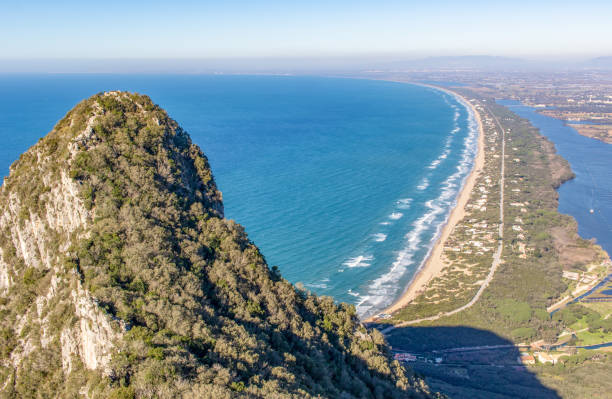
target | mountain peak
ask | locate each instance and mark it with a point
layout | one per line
(121, 278)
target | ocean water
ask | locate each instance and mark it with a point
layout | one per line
(591, 161)
(342, 183)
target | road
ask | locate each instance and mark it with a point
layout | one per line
(578, 294)
(497, 256)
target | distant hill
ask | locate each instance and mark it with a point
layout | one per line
(470, 61)
(120, 278)
(601, 62)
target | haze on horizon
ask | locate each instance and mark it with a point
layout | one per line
(48, 36)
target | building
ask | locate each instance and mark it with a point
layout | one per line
(544, 357)
(526, 359)
(571, 275)
(405, 357)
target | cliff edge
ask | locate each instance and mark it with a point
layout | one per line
(119, 277)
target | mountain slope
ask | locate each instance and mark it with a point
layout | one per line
(119, 277)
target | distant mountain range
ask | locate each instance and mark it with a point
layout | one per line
(469, 61)
(297, 65)
(601, 62)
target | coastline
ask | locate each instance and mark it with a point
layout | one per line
(433, 264)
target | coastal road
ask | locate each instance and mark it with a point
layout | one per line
(497, 256)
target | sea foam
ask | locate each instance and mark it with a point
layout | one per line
(383, 290)
(424, 184)
(359, 261)
(380, 237)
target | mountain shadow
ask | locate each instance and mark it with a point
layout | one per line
(491, 373)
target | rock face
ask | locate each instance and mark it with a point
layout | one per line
(119, 277)
(42, 213)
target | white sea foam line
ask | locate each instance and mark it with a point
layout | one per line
(380, 237)
(316, 285)
(353, 293)
(447, 144)
(359, 261)
(435, 163)
(424, 184)
(453, 107)
(396, 215)
(382, 290)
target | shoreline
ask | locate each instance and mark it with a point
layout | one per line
(433, 265)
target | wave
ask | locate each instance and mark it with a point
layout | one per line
(396, 215)
(454, 107)
(316, 285)
(380, 237)
(359, 261)
(435, 163)
(447, 148)
(382, 291)
(423, 185)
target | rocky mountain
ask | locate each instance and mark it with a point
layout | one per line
(120, 278)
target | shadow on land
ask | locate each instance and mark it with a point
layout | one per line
(482, 373)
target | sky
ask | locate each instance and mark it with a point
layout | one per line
(226, 29)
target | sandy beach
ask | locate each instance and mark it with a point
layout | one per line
(434, 264)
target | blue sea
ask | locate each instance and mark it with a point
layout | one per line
(342, 183)
(591, 161)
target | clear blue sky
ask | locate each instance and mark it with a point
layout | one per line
(229, 28)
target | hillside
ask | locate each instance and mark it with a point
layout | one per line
(119, 277)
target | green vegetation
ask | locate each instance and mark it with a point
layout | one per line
(203, 315)
(539, 245)
(534, 256)
(585, 375)
(589, 327)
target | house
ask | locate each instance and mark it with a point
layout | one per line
(544, 357)
(405, 357)
(526, 358)
(588, 278)
(571, 275)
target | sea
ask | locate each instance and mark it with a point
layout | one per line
(344, 184)
(591, 162)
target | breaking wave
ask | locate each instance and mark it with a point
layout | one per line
(380, 237)
(425, 230)
(359, 261)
